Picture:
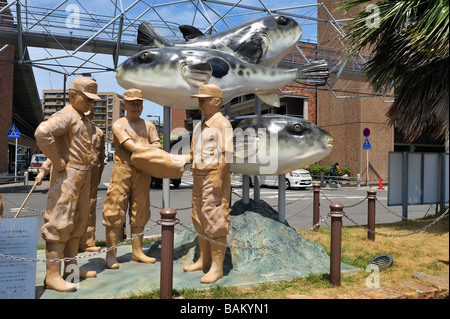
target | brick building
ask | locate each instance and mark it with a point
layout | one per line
(346, 118)
(19, 104)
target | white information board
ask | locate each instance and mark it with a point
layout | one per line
(18, 238)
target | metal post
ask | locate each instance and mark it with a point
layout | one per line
(246, 189)
(15, 166)
(336, 212)
(166, 146)
(371, 196)
(444, 172)
(227, 109)
(19, 32)
(119, 38)
(322, 179)
(316, 204)
(64, 90)
(282, 198)
(256, 185)
(256, 188)
(367, 168)
(358, 180)
(405, 185)
(168, 223)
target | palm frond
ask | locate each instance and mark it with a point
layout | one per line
(410, 52)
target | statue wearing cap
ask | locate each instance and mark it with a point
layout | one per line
(211, 153)
(66, 139)
(138, 157)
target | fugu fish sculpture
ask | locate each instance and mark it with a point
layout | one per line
(270, 144)
(169, 76)
(264, 41)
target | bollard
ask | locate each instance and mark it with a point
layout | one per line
(371, 196)
(25, 178)
(167, 223)
(336, 213)
(316, 204)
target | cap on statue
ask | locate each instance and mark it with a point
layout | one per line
(86, 86)
(133, 95)
(208, 90)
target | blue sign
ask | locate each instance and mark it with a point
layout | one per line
(13, 132)
(367, 145)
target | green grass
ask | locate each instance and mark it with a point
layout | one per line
(427, 251)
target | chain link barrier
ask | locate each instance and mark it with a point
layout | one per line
(277, 245)
(81, 256)
(401, 235)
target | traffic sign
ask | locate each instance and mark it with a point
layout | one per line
(367, 145)
(366, 132)
(13, 132)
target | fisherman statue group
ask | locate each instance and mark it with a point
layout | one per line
(173, 75)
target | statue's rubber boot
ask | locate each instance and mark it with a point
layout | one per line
(204, 261)
(113, 235)
(71, 266)
(217, 257)
(136, 244)
(53, 279)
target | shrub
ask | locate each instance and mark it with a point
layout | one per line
(315, 169)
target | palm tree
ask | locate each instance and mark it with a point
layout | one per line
(410, 50)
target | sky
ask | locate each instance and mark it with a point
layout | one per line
(176, 14)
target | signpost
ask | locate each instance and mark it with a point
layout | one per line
(14, 133)
(367, 146)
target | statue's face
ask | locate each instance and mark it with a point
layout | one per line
(209, 105)
(79, 101)
(133, 109)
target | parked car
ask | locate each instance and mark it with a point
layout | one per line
(299, 178)
(35, 165)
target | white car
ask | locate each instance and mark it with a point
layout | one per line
(35, 165)
(298, 178)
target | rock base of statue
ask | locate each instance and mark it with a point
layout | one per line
(259, 246)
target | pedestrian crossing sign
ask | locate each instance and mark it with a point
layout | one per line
(366, 145)
(13, 132)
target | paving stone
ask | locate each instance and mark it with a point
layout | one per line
(321, 296)
(441, 283)
(299, 297)
(379, 293)
(407, 293)
(424, 291)
(353, 295)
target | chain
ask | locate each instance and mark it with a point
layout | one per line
(401, 235)
(233, 192)
(259, 247)
(101, 251)
(346, 206)
(301, 210)
(390, 211)
(287, 204)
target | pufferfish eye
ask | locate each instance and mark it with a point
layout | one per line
(144, 57)
(282, 20)
(297, 127)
